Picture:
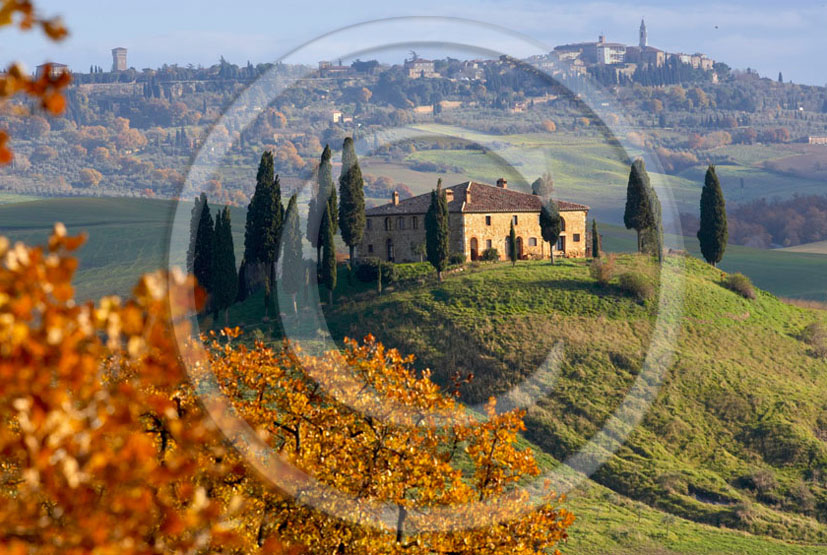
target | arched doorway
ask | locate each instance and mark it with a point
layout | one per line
(519, 248)
(474, 248)
(390, 250)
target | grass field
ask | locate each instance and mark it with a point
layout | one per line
(740, 373)
(126, 238)
(798, 274)
(812, 248)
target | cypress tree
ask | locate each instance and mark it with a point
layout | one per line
(324, 195)
(351, 199)
(225, 278)
(512, 245)
(263, 227)
(638, 214)
(328, 271)
(713, 234)
(597, 243)
(203, 251)
(436, 231)
(200, 203)
(293, 268)
(550, 225)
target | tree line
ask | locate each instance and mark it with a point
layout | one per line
(272, 234)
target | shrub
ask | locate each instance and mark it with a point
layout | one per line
(740, 284)
(490, 255)
(456, 259)
(368, 270)
(602, 270)
(637, 285)
(815, 335)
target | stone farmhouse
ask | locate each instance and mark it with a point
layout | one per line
(479, 218)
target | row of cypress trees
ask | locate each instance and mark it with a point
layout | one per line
(330, 213)
(272, 233)
(643, 214)
(211, 256)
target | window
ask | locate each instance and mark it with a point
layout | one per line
(532, 242)
(576, 238)
(562, 224)
(414, 222)
(388, 224)
(561, 244)
(368, 224)
(515, 220)
(400, 223)
(488, 244)
(370, 249)
(488, 220)
(390, 251)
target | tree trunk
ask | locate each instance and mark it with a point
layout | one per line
(352, 254)
(551, 252)
(227, 317)
(639, 241)
(330, 296)
(295, 307)
(400, 522)
(439, 276)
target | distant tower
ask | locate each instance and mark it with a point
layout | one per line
(644, 36)
(119, 59)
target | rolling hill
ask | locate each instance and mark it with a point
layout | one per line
(735, 439)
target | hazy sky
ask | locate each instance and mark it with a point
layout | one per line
(769, 36)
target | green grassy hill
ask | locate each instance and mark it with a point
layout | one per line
(736, 438)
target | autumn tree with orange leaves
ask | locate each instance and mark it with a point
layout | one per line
(104, 444)
(46, 87)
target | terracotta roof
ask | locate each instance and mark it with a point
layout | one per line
(484, 198)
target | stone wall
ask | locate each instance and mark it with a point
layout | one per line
(406, 232)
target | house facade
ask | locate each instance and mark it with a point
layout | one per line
(479, 218)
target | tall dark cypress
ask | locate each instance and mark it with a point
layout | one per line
(597, 243)
(713, 234)
(224, 278)
(324, 195)
(351, 198)
(195, 218)
(203, 251)
(512, 245)
(638, 215)
(550, 225)
(292, 264)
(436, 231)
(328, 270)
(263, 227)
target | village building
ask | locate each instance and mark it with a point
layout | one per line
(479, 218)
(418, 67)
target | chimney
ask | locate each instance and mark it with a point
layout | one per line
(468, 194)
(502, 183)
(395, 198)
(449, 195)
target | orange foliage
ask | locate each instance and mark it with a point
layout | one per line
(46, 88)
(104, 445)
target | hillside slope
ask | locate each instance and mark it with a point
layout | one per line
(736, 436)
